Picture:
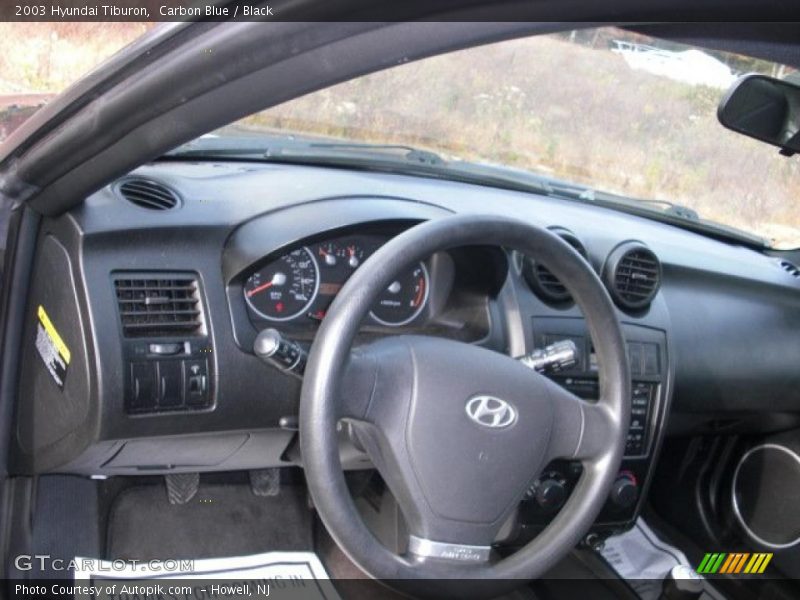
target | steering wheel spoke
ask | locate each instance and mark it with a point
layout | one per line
(581, 429)
(358, 385)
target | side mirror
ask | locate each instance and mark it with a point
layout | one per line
(764, 108)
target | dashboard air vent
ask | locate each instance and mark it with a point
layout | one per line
(632, 275)
(541, 280)
(790, 268)
(155, 305)
(149, 194)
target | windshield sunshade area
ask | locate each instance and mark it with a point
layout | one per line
(607, 108)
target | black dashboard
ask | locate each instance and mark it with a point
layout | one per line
(160, 309)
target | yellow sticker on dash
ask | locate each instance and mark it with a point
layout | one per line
(53, 334)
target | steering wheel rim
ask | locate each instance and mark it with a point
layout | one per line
(330, 358)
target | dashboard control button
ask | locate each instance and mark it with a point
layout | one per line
(196, 389)
(624, 492)
(637, 424)
(551, 494)
(143, 386)
(635, 357)
(651, 359)
(634, 448)
(195, 373)
(170, 384)
(166, 349)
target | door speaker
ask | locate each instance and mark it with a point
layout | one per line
(766, 495)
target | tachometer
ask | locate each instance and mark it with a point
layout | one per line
(404, 299)
(285, 288)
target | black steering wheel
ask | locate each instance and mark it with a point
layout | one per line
(459, 432)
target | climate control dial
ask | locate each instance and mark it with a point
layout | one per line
(624, 491)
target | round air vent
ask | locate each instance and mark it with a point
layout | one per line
(632, 275)
(541, 280)
(149, 194)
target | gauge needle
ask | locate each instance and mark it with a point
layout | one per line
(277, 279)
(353, 262)
(330, 259)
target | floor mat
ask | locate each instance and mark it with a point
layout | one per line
(221, 520)
(65, 523)
(641, 558)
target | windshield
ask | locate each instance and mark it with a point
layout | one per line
(605, 107)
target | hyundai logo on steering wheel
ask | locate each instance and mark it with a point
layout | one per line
(492, 412)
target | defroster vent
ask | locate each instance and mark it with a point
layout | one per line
(156, 305)
(149, 194)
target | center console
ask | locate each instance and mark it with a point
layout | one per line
(647, 352)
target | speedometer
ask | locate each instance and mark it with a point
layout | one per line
(285, 288)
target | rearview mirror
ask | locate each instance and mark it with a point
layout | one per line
(764, 108)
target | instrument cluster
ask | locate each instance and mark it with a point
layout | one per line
(299, 286)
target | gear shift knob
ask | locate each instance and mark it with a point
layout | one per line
(681, 583)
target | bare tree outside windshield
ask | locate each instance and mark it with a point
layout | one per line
(606, 108)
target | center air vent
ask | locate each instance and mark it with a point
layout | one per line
(541, 280)
(158, 306)
(632, 275)
(149, 194)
